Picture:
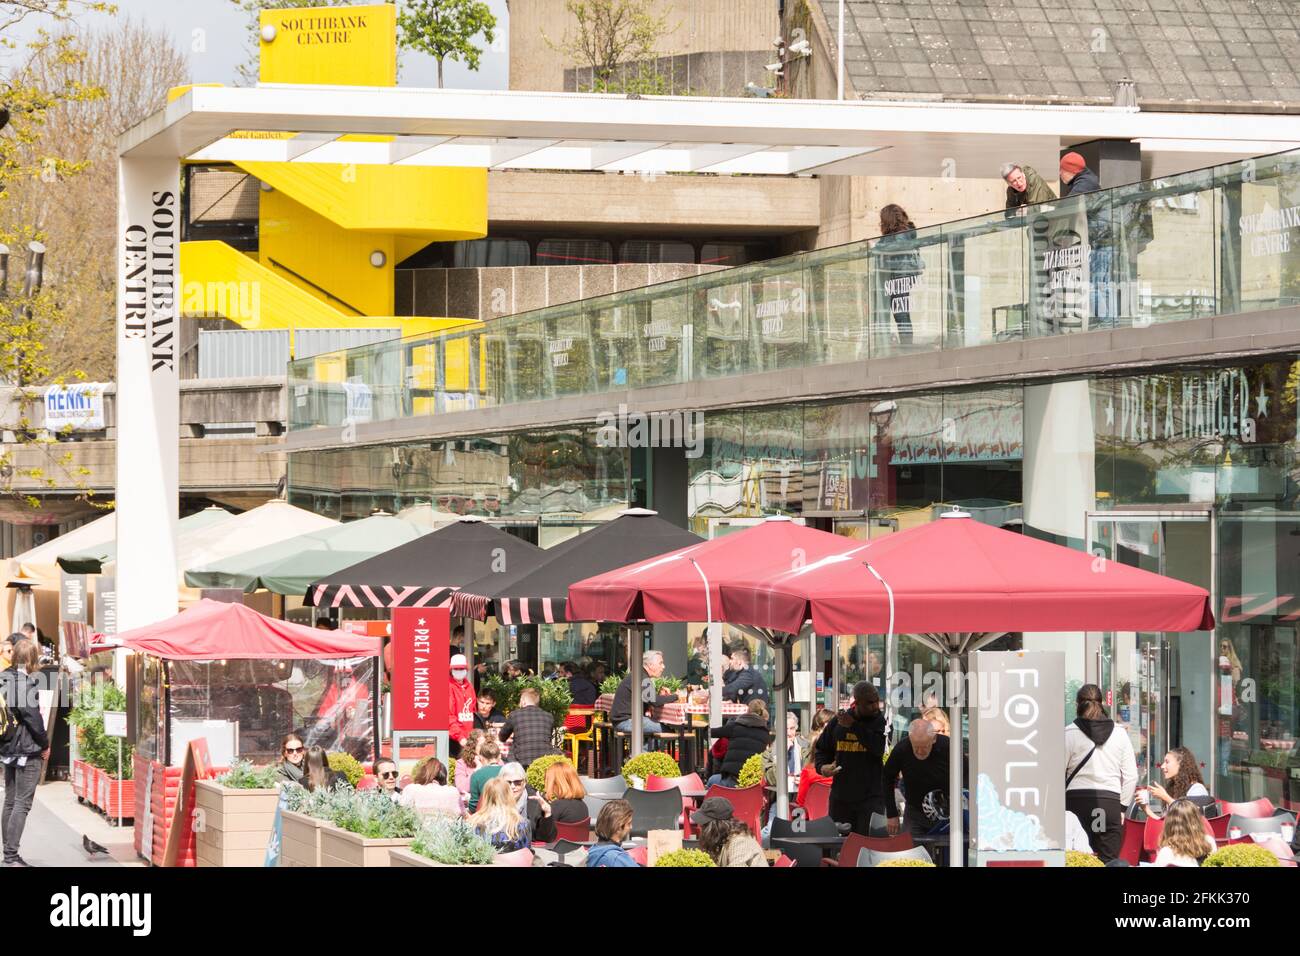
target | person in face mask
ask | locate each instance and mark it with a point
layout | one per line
(461, 703)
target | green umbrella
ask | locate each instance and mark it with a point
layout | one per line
(92, 560)
(287, 567)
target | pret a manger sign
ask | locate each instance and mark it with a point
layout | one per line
(149, 280)
(421, 654)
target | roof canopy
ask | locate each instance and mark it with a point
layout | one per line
(958, 575)
(91, 559)
(540, 594)
(212, 631)
(588, 131)
(289, 566)
(671, 587)
(427, 571)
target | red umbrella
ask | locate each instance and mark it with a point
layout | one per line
(956, 584)
(670, 587)
(960, 575)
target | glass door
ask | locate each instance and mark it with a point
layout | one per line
(1157, 685)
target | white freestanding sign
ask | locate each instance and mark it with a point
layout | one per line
(148, 413)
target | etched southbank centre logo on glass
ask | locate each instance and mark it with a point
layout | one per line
(149, 280)
(628, 429)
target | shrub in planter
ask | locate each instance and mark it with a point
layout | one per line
(319, 804)
(643, 765)
(95, 747)
(1079, 858)
(453, 842)
(556, 698)
(1241, 854)
(373, 815)
(537, 770)
(751, 772)
(905, 863)
(685, 858)
(244, 776)
(347, 765)
(610, 684)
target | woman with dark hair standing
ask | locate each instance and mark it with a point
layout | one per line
(900, 267)
(1100, 773)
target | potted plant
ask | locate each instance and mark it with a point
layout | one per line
(365, 828)
(347, 765)
(905, 863)
(556, 698)
(445, 841)
(751, 772)
(107, 783)
(1242, 854)
(302, 818)
(685, 858)
(643, 765)
(610, 684)
(235, 814)
(536, 772)
(1079, 858)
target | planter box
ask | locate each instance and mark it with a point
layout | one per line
(93, 778)
(232, 827)
(399, 856)
(342, 848)
(111, 798)
(300, 839)
(79, 774)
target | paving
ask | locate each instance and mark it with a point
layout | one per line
(55, 828)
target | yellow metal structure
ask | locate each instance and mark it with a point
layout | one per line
(330, 236)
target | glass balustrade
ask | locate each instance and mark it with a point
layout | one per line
(1208, 242)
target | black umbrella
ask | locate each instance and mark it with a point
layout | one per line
(539, 594)
(425, 572)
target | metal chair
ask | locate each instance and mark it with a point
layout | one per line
(1251, 825)
(580, 728)
(654, 810)
(868, 856)
(822, 826)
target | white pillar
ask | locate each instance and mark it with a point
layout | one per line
(148, 413)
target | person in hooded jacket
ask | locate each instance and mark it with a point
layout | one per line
(851, 751)
(24, 748)
(1024, 186)
(461, 704)
(1077, 179)
(613, 826)
(746, 735)
(1100, 773)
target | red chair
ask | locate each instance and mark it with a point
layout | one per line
(1151, 830)
(746, 803)
(855, 843)
(579, 832)
(1218, 825)
(817, 802)
(639, 854)
(368, 782)
(1256, 809)
(1130, 850)
(783, 861)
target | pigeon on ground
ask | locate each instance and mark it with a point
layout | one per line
(91, 846)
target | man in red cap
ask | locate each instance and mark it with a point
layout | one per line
(1077, 179)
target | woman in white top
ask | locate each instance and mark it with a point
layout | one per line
(428, 792)
(1100, 773)
(1182, 779)
(1184, 841)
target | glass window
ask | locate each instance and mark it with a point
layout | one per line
(656, 250)
(574, 252)
(734, 253)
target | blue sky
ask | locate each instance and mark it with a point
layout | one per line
(213, 34)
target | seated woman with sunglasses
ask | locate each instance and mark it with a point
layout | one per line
(292, 753)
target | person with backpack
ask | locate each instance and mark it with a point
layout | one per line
(1100, 773)
(24, 745)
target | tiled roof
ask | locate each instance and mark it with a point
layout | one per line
(1178, 53)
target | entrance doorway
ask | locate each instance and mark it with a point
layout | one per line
(1158, 686)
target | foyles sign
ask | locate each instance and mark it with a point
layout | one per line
(1017, 768)
(149, 280)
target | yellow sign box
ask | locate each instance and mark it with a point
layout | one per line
(330, 46)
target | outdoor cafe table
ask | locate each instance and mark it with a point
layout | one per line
(678, 714)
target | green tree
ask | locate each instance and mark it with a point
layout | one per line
(618, 40)
(445, 29)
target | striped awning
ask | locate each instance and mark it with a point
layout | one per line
(509, 610)
(363, 595)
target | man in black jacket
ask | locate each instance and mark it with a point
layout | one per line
(746, 735)
(851, 752)
(24, 747)
(620, 712)
(743, 683)
(583, 691)
(921, 759)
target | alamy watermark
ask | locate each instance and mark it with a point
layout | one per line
(629, 429)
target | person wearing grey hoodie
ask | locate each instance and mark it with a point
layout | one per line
(1100, 773)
